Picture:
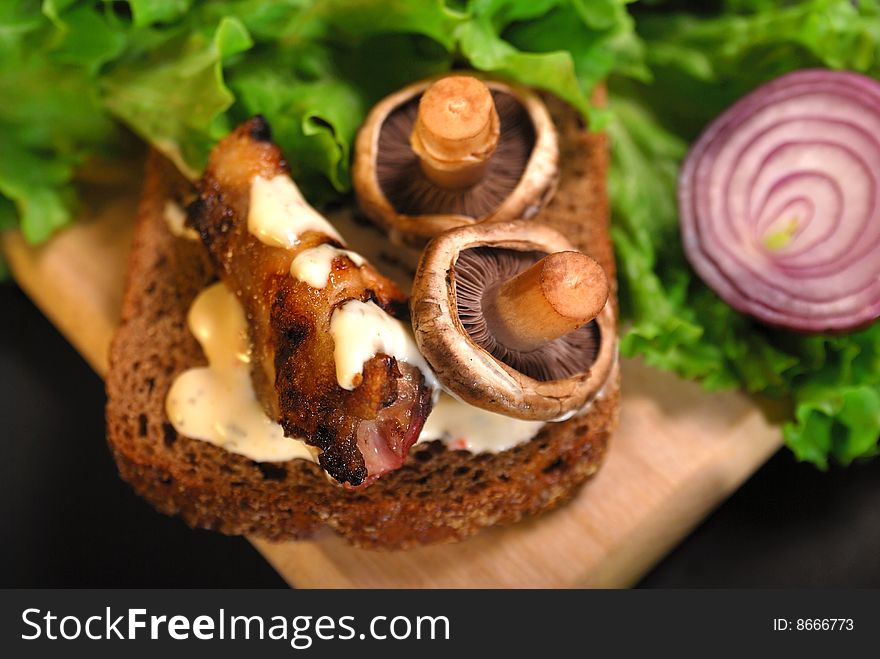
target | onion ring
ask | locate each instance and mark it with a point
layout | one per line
(780, 202)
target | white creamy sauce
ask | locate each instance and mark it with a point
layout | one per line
(175, 218)
(216, 403)
(313, 266)
(279, 215)
(360, 331)
(464, 427)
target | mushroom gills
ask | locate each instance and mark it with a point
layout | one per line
(478, 272)
(410, 191)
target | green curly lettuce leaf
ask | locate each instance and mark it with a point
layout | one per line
(51, 117)
(177, 103)
(700, 65)
(180, 73)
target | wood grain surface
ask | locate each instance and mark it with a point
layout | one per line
(678, 452)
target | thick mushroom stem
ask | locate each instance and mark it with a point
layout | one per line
(456, 131)
(558, 294)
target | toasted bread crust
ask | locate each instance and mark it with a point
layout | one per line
(438, 495)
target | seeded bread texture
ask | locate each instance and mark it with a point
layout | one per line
(439, 495)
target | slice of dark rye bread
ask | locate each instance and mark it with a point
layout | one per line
(439, 495)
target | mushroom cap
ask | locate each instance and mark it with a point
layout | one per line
(533, 189)
(470, 372)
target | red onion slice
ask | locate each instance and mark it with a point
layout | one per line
(780, 202)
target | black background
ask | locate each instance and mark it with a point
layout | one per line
(67, 520)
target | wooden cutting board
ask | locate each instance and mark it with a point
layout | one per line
(677, 453)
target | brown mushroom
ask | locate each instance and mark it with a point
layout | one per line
(454, 151)
(512, 319)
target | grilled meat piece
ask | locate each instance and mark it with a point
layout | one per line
(363, 432)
